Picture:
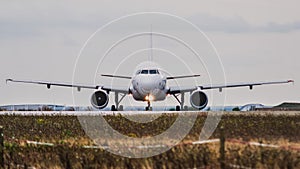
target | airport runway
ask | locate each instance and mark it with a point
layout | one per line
(87, 113)
(95, 113)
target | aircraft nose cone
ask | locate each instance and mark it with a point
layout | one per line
(147, 85)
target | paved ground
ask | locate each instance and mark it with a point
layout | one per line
(84, 113)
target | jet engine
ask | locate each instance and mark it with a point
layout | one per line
(198, 99)
(99, 99)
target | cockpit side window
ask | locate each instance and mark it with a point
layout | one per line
(138, 72)
(144, 72)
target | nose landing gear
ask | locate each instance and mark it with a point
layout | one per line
(148, 107)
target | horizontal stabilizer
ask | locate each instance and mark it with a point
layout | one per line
(179, 77)
(116, 76)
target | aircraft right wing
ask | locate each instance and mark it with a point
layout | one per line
(79, 87)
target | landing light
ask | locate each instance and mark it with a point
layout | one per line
(149, 98)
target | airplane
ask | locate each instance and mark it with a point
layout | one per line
(149, 84)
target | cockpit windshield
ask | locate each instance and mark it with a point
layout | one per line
(145, 71)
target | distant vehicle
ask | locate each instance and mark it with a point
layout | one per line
(253, 107)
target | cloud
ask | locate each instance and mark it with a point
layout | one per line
(239, 25)
(275, 27)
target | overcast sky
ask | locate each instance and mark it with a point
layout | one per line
(256, 41)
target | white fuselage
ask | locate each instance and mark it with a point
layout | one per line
(148, 85)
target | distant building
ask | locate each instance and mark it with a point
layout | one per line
(287, 107)
(281, 107)
(36, 107)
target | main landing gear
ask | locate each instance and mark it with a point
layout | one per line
(178, 107)
(117, 102)
(181, 101)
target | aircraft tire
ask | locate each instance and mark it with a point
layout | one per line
(113, 108)
(121, 108)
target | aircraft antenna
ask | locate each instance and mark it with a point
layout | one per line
(151, 45)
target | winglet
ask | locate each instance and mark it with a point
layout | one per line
(291, 81)
(8, 80)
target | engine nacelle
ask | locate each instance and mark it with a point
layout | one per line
(198, 99)
(99, 99)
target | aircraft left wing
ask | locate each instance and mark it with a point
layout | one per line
(176, 89)
(250, 85)
(79, 87)
(179, 89)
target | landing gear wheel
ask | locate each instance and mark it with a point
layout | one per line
(186, 108)
(121, 108)
(177, 108)
(148, 107)
(113, 108)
